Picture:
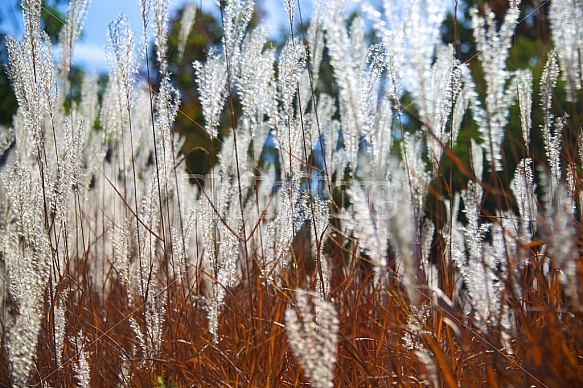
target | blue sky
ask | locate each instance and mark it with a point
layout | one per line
(89, 51)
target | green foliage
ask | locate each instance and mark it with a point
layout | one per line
(160, 383)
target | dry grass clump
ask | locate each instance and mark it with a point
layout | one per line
(361, 252)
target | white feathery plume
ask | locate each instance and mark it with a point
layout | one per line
(226, 270)
(330, 130)
(498, 257)
(59, 318)
(347, 72)
(236, 16)
(291, 213)
(523, 188)
(477, 160)
(292, 62)
(423, 19)
(290, 9)
(120, 55)
(474, 232)
(289, 132)
(477, 269)
(381, 139)
(368, 225)
(562, 235)
(566, 33)
(90, 98)
(315, 48)
(212, 88)
(453, 237)
(392, 32)
(318, 227)
(81, 367)
(404, 235)
(70, 32)
(27, 253)
(371, 74)
(186, 25)
(256, 84)
(466, 93)
(493, 47)
(430, 270)
(312, 336)
(524, 92)
(551, 139)
(417, 176)
(33, 80)
(161, 18)
(445, 87)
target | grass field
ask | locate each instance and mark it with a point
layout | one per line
(418, 224)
